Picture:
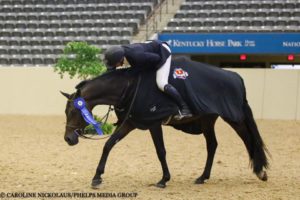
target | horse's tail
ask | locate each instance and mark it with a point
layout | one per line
(257, 149)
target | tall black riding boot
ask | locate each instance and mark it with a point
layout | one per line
(184, 111)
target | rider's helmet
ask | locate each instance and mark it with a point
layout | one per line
(113, 55)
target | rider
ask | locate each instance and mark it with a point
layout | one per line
(154, 54)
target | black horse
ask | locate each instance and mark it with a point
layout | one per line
(119, 88)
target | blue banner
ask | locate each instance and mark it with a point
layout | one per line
(233, 43)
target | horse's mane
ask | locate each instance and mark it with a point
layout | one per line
(109, 74)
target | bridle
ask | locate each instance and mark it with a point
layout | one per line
(80, 132)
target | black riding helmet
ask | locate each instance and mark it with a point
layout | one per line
(113, 55)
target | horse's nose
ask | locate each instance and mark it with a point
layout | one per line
(67, 139)
(71, 139)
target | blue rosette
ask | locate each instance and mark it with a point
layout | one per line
(80, 104)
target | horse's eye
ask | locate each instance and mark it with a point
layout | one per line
(73, 112)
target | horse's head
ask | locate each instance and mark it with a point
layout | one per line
(106, 89)
(74, 120)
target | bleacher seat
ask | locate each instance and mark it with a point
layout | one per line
(43, 27)
(14, 60)
(4, 60)
(37, 60)
(24, 51)
(235, 16)
(26, 59)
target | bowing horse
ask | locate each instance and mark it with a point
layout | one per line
(210, 92)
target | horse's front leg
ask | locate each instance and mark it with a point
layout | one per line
(122, 131)
(157, 136)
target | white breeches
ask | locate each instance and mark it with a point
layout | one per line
(162, 74)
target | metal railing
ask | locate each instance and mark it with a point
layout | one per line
(151, 26)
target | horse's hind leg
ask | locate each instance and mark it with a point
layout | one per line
(207, 126)
(158, 140)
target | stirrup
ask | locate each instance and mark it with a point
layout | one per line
(180, 116)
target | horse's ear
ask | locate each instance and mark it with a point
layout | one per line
(68, 96)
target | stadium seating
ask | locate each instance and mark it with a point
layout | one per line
(236, 16)
(34, 32)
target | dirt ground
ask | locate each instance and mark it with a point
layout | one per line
(34, 158)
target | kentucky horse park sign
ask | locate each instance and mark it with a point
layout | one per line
(233, 43)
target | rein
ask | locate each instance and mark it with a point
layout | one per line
(79, 132)
(131, 104)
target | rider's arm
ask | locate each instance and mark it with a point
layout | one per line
(152, 57)
(148, 59)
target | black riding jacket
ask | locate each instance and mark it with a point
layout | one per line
(146, 55)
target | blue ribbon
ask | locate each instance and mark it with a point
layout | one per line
(80, 104)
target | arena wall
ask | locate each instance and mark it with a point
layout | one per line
(273, 94)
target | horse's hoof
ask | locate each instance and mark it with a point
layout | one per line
(96, 183)
(161, 185)
(199, 181)
(262, 175)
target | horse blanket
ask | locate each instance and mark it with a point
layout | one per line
(206, 89)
